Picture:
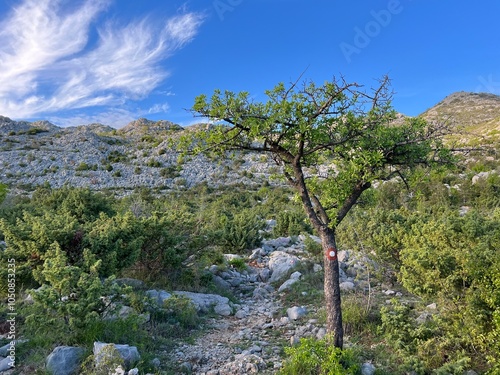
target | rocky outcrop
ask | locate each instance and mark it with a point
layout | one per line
(65, 360)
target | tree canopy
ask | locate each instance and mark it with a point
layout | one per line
(331, 141)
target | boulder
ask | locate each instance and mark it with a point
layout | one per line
(205, 302)
(281, 264)
(65, 360)
(158, 296)
(347, 286)
(11, 346)
(287, 285)
(129, 354)
(368, 369)
(5, 364)
(296, 312)
(221, 283)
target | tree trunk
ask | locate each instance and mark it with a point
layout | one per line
(332, 287)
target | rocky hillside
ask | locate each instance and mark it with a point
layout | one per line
(95, 155)
(476, 114)
(139, 155)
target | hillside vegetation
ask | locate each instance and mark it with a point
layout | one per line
(421, 257)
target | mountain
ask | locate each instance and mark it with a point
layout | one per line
(139, 154)
(476, 114)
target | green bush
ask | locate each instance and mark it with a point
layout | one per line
(241, 231)
(319, 357)
(291, 223)
(182, 310)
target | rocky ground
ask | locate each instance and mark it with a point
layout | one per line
(252, 340)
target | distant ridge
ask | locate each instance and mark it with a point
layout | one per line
(143, 125)
(477, 113)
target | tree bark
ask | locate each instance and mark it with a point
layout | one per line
(332, 287)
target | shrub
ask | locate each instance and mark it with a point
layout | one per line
(241, 231)
(154, 163)
(319, 357)
(182, 310)
(291, 223)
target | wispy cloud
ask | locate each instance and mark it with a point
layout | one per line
(48, 64)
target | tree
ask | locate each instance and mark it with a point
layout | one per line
(354, 134)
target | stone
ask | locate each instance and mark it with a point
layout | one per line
(221, 283)
(317, 268)
(368, 369)
(265, 275)
(287, 285)
(230, 257)
(223, 309)
(260, 293)
(296, 312)
(277, 242)
(241, 314)
(158, 296)
(347, 286)
(5, 364)
(281, 264)
(343, 256)
(64, 360)
(321, 334)
(134, 371)
(294, 340)
(5, 350)
(295, 276)
(204, 302)
(130, 354)
(156, 362)
(432, 306)
(389, 292)
(424, 317)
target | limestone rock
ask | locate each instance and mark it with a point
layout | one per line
(5, 364)
(204, 302)
(347, 286)
(296, 312)
(130, 354)
(368, 369)
(281, 263)
(64, 360)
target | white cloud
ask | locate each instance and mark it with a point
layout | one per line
(159, 108)
(47, 65)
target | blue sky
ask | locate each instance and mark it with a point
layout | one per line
(111, 61)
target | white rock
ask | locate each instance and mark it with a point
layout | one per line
(281, 263)
(223, 309)
(296, 312)
(64, 360)
(347, 286)
(295, 276)
(241, 314)
(5, 364)
(343, 256)
(368, 369)
(130, 354)
(317, 268)
(287, 285)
